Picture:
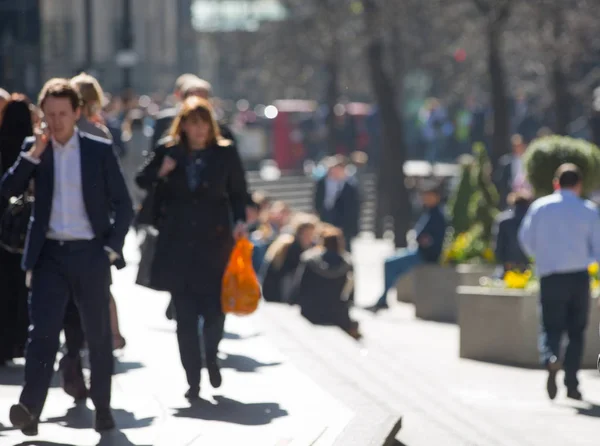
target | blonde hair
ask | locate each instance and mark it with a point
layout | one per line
(91, 93)
(194, 108)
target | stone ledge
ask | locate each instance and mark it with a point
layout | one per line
(501, 326)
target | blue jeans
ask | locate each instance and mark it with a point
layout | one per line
(395, 267)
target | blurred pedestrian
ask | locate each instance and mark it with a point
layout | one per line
(562, 232)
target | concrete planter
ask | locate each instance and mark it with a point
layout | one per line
(470, 274)
(405, 288)
(435, 293)
(501, 326)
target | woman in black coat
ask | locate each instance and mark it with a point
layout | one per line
(201, 188)
(16, 126)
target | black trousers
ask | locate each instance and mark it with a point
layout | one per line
(565, 307)
(80, 271)
(74, 337)
(187, 314)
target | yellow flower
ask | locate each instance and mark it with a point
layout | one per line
(488, 255)
(595, 284)
(516, 279)
(593, 269)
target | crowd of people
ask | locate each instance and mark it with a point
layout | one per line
(75, 182)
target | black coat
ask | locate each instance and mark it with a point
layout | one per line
(506, 238)
(195, 233)
(105, 195)
(322, 286)
(345, 213)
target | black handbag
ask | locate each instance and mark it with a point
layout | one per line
(14, 223)
(147, 250)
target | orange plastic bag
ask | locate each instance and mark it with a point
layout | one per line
(240, 293)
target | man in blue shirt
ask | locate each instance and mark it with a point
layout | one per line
(562, 232)
(430, 231)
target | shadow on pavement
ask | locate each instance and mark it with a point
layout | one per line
(593, 410)
(122, 367)
(13, 375)
(232, 411)
(43, 443)
(237, 337)
(244, 364)
(81, 417)
(117, 438)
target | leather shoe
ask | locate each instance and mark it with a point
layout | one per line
(574, 394)
(22, 418)
(214, 374)
(192, 394)
(553, 367)
(104, 420)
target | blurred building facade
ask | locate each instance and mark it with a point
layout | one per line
(20, 49)
(162, 41)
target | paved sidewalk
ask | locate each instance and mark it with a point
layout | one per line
(263, 400)
(455, 402)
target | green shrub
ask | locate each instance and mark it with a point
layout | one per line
(483, 207)
(546, 154)
(458, 204)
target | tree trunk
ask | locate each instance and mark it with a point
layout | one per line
(500, 105)
(560, 85)
(332, 92)
(392, 193)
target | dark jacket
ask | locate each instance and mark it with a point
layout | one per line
(322, 286)
(283, 265)
(503, 176)
(345, 213)
(195, 232)
(105, 195)
(507, 247)
(432, 225)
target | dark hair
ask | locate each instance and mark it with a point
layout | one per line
(568, 175)
(333, 240)
(60, 88)
(16, 125)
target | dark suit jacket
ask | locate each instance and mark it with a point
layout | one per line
(346, 211)
(507, 247)
(503, 178)
(105, 195)
(433, 225)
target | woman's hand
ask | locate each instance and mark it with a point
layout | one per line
(240, 230)
(167, 166)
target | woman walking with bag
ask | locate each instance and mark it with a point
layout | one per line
(203, 200)
(16, 126)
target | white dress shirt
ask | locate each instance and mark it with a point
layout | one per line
(68, 219)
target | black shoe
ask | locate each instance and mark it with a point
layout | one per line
(22, 418)
(553, 368)
(574, 394)
(214, 374)
(193, 394)
(104, 420)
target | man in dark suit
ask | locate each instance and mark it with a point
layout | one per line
(510, 174)
(337, 199)
(506, 233)
(81, 216)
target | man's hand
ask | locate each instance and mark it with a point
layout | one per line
(42, 136)
(425, 240)
(112, 256)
